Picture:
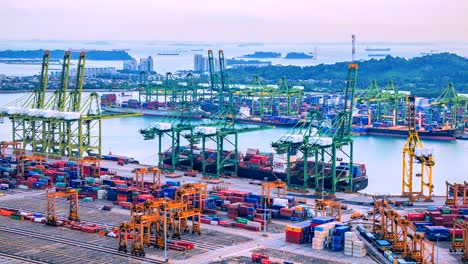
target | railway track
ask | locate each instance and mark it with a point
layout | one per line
(76, 243)
(4, 256)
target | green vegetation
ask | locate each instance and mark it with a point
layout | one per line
(263, 55)
(423, 76)
(298, 55)
(58, 54)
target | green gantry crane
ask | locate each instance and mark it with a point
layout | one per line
(60, 125)
(324, 141)
(452, 108)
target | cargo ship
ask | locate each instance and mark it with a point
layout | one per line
(402, 131)
(256, 165)
(192, 114)
(168, 54)
(109, 103)
(377, 49)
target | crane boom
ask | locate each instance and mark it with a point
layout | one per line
(43, 79)
(61, 93)
(76, 94)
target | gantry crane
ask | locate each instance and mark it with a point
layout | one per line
(451, 108)
(16, 148)
(460, 245)
(324, 141)
(415, 154)
(328, 208)
(94, 162)
(26, 127)
(456, 193)
(267, 187)
(403, 237)
(72, 195)
(60, 125)
(25, 158)
(388, 102)
(55, 137)
(140, 174)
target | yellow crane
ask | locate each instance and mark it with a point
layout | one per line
(72, 195)
(268, 186)
(414, 156)
(140, 177)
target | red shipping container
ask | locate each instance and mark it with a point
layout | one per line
(239, 225)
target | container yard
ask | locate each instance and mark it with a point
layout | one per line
(207, 202)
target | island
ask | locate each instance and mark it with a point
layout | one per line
(263, 55)
(298, 55)
(103, 55)
(245, 63)
(97, 42)
(424, 76)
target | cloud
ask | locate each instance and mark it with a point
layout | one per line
(253, 20)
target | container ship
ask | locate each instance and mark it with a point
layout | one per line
(377, 49)
(256, 165)
(402, 131)
(110, 104)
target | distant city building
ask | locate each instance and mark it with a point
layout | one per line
(201, 63)
(130, 65)
(89, 72)
(146, 64)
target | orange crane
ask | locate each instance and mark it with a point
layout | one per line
(456, 193)
(72, 195)
(328, 208)
(403, 237)
(460, 245)
(17, 148)
(140, 177)
(95, 163)
(268, 186)
(23, 159)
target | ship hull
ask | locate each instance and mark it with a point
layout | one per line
(359, 183)
(434, 135)
(160, 113)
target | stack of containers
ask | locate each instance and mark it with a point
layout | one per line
(350, 237)
(432, 232)
(359, 249)
(338, 237)
(112, 194)
(298, 233)
(233, 210)
(322, 235)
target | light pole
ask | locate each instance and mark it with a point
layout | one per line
(165, 227)
(437, 248)
(264, 212)
(323, 186)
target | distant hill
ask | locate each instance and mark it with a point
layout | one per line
(263, 55)
(424, 76)
(58, 54)
(298, 55)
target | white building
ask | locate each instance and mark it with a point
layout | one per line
(130, 65)
(201, 63)
(146, 64)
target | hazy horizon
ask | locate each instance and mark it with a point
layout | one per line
(298, 21)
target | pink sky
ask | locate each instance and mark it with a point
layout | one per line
(236, 20)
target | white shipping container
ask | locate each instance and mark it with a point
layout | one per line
(163, 126)
(280, 201)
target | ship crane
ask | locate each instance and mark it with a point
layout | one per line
(414, 156)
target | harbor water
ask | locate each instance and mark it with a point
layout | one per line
(382, 155)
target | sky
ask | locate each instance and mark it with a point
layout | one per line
(236, 20)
